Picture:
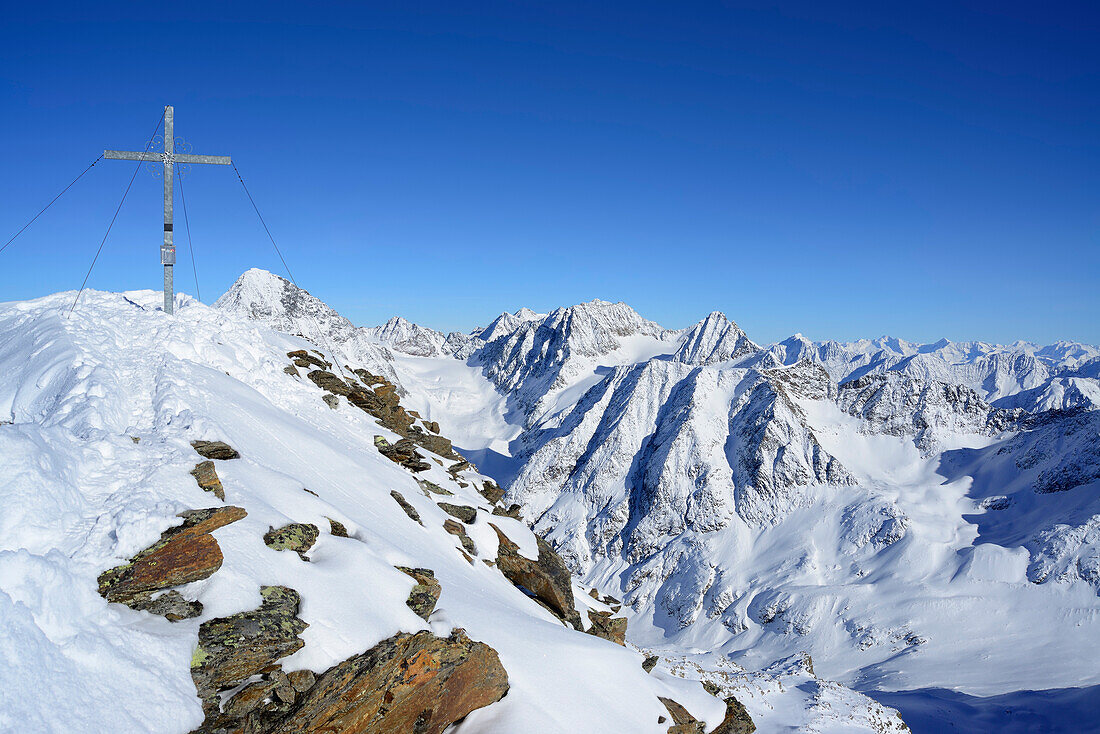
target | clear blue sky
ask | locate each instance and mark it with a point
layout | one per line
(919, 170)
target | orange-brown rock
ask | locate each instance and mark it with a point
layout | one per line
(683, 722)
(183, 554)
(407, 683)
(207, 478)
(547, 578)
(737, 720)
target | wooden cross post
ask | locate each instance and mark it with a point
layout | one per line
(169, 158)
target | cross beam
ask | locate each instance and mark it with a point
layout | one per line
(169, 158)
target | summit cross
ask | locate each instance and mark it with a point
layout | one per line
(169, 158)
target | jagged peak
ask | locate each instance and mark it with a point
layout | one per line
(714, 339)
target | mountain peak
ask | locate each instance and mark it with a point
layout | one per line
(714, 339)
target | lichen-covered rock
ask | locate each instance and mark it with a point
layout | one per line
(183, 554)
(233, 649)
(409, 509)
(650, 663)
(465, 513)
(407, 683)
(607, 627)
(337, 528)
(207, 478)
(458, 530)
(297, 537)
(737, 720)
(215, 450)
(424, 596)
(171, 605)
(547, 578)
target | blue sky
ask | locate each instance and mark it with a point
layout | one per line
(924, 170)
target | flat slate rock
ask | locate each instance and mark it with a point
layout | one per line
(215, 450)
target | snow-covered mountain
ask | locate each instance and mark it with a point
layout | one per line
(922, 520)
(822, 497)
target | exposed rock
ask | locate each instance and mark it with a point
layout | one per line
(403, 452)
(432, 426)
(465, 513)
(460, 466)
(298, 537)
(337, 528)
(459, 530)
(407, 683)
(215, 450)
(424, 596)
(737, 719)
(232, 649)
(328, 381)
(409, 509)
(607, 627)
(683, 722)
(183, 554)
(301, 680)
(301, 355)
(331, 401)
(650, 663)
(547, 579)
(492, 491)
(512, 511)
(435, 444)
(205, 474)
(170, 605)
(434, 488)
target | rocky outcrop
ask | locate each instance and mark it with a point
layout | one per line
(403, 452)
(491, 491)
(183, 554)
(233, 649)
(424, 596)
(297, 537)
(465, 513)
(215, 450)
(407, 683)
(737, 720)
(607, 627)
(682, 721)
(207, 478)
(459, 531)
(409, 509)
(546, 579)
